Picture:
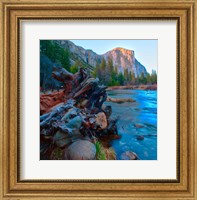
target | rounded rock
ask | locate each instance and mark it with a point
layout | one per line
(81, 150)
(101, 120)
(129, 155)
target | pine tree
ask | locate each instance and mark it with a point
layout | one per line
(104, 72)
(142, 79)
(133, 79)
(148, 77)
(126, 75)
(110, 64)
(153, 78)
(121, 79)
(103, 65)
(65, 59)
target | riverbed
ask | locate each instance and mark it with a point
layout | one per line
(137, 123)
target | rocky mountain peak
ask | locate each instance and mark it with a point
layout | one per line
(122, 50)
(122, 58)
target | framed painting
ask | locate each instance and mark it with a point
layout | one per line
(98, 99)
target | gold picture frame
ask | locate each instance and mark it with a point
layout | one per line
(184, 12)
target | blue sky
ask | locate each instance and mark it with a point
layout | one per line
(145, 50)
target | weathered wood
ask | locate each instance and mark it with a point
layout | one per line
(48, 101)
(74, 113)
(78, 86)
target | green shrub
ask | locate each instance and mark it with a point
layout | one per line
(100, 151)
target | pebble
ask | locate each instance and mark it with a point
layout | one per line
(138, 125)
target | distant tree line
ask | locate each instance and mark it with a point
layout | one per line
(109, 75)
(55, 53)
(51, 54)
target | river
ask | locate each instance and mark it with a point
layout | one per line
(136, 119)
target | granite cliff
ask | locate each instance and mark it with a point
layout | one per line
(121, 58)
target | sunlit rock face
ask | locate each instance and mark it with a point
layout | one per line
(121, 58)
(125, 59)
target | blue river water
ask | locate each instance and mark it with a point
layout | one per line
(136, 119)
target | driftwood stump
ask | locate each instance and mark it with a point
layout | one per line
(74, 113)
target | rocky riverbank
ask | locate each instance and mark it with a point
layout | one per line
(134, 87)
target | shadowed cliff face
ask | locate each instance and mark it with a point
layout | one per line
(121, 58)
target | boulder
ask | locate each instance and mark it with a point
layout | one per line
(129, 155)
(101, 120)
(80, 150)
